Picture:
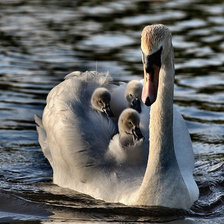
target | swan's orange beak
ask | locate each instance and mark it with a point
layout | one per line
(150, 85)
(151, 65)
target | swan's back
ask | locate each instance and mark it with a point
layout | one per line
(78, 86)
(77, 135)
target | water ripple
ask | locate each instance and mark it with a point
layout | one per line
(42, 41)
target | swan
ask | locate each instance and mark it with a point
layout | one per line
(126, 147)
(76, 137)
(169, 172)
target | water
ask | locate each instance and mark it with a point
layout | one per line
(42, 41)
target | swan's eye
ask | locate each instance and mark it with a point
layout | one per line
(131, 96)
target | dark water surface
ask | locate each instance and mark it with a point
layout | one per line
(42, 41)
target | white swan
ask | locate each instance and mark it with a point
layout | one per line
(127, 147)
(76, 144)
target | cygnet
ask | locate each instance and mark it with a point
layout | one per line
(100, 101)
(127, 146)
(133, 94)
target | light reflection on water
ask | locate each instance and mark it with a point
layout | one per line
(42, 41)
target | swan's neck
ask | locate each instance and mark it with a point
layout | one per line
(161, 120)
(162, 177)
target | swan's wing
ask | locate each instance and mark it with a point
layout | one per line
(97, 130)
(77, 136)
(73, 74)
(90, 77)
(182, 143)
(182, 140)
(184, 154)
(78, 87)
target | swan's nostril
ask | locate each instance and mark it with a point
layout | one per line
(147, 102)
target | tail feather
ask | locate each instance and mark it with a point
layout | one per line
(38, 121)
(42, 138)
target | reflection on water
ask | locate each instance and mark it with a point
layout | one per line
(42, 41)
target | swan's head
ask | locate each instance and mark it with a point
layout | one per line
(100, 101)
(133, 94)
(156, 45)
(128, 124)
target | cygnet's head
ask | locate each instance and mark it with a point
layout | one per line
(133, 94)
(128, 124)
(100, 101)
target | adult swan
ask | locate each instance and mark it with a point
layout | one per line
(75, 138)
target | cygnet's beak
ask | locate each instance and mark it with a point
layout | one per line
(136, 104)
(137, 133)
(107, 110)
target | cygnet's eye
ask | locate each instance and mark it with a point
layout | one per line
(130, 124)
(131, 96)
(100, 102)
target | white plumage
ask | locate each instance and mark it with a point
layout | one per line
(75, 139)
